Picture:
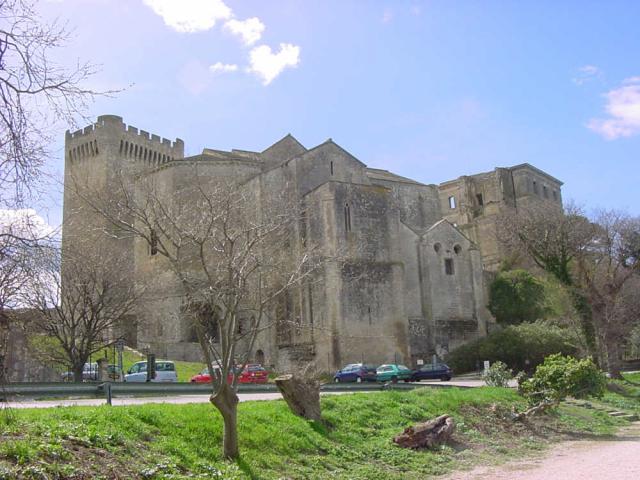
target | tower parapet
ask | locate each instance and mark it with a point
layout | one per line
(124, 141)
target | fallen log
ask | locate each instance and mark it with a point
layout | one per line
(428, 434)
(301, 394)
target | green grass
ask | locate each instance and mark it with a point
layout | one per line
(354, 442)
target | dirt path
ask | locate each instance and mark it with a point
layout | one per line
(616, 458)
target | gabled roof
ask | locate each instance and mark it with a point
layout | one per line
(329, 143)
(443, 223)
(379, 174)
(283, 150)
(537, 170)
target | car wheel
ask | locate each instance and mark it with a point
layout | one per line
(358, 379)
(336, 380)
(394, 379)
(445, 378)
(407, 380)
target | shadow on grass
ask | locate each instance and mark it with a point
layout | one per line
(247, 469)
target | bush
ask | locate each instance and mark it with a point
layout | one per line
(516, 296)
(520, 347)
(498, 375)
(562, 376)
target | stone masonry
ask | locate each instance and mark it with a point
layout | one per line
(413, 283)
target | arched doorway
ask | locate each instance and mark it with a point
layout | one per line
(260, 357)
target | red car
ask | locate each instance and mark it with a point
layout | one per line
(252, 373)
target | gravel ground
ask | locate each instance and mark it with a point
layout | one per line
(617, 458)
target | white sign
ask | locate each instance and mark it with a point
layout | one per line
(486, 365)
(420, 361)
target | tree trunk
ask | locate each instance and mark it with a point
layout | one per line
(614, 359)
(302, 395)
(226, 401)
(428, 434)
(77, 372)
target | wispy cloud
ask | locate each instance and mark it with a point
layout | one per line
(189, 16)
(268, 65)
(387, 15)
(623, 109)
(220, 67)
(587, 73)
(249, 30)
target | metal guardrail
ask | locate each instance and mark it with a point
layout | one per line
(118, 389)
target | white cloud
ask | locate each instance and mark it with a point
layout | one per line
(189, 16)
(250, 30)
(387, 15)
(623, 107)
(24, 222)
(587, 73)
(220, 67)
(268, 65)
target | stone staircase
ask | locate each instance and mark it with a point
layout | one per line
(631, 417)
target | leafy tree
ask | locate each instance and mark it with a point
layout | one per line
(520, 347)
(498, 375)
(516, 296)
(596, 260)
(562, 376)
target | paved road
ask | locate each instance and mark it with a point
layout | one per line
(616, 458)
(184, 399)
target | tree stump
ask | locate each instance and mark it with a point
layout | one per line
(428, 434)
(301, 394)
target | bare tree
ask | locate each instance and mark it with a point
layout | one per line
(87, 314)
(232, 262)
(597, 261)
(35, 94)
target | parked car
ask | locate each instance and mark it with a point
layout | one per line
(165, 372)
(89, 373)
(252, 373)
(432, 371)
(393, 373)
(356, 372)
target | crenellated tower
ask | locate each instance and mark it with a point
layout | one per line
(101, 160)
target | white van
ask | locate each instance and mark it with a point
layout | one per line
(165, 372)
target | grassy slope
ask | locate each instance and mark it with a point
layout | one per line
(173, 441)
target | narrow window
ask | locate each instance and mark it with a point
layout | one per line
(535, 187)
(95, 143)
(436, 247)
(121, 145)
(448, 266)
(347, 217)
(555, 195)
(480, 199)
(452, 202)
(331, 168)
(457, 249)
(153, 247)
(545, 191)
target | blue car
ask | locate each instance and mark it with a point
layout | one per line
(356, 372)
(432, 372)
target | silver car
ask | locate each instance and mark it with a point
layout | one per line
(165, 372)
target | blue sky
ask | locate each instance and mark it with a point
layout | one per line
(428, 89)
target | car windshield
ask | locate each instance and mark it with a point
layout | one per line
(256, 368)
(402, 367)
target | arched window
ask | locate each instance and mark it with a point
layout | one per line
(457, 249)
(436, 247)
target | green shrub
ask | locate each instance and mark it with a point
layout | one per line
(516, 296)
(520, 347)
(562, 376)
(498, 375)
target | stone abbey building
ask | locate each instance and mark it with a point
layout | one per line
(423, 254)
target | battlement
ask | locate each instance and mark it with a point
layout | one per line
(129, 130)
(133, 142)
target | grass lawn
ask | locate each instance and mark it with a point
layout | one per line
(183, 441)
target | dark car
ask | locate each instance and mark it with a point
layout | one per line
(432, 371)
(356, 372)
